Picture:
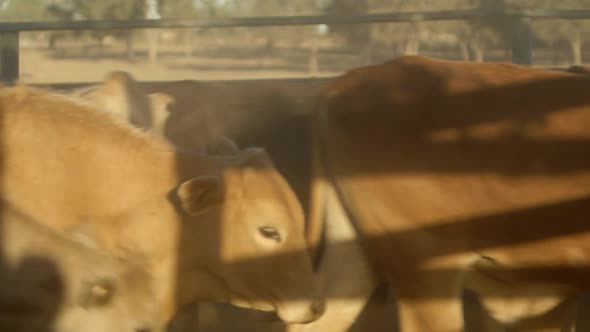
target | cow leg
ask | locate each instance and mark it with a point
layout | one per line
(518, 303)
(476, 317)
(429, 302)
(346, 276)
(379, 315)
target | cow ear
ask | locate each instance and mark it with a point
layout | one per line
(200, 194)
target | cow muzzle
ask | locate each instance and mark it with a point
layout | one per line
(301, 311)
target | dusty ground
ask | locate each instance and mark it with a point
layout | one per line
(41, 66)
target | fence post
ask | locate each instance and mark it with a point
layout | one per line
(522, 41)
(9, 43)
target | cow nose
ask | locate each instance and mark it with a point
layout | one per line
(301, 311)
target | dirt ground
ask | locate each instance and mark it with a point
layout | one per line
(41, 66)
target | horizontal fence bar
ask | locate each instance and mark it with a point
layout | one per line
(249, 21)
(290, 20)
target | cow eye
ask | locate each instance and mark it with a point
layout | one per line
(270, 233)
(96, 294)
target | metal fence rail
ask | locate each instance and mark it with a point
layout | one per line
(521, 32)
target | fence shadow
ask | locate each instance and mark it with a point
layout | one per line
(286, 138)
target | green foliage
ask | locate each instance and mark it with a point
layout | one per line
(177, 9)
(110, 9)
(22, 10)
(554, 31)
(356, 34)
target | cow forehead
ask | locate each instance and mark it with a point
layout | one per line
(251, 214)
(261, 185)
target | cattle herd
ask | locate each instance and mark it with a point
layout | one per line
(441, 196)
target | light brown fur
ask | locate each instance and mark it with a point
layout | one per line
(51, 281)
(440, 163)
(141, 197)
(188, 319)
(121, 95)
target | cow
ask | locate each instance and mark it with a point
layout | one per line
(443, 177)
(273, 114)
(54, 283)
(226, 228)
(120, 94)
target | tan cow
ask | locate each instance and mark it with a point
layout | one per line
(457, 176)
(121, 94)
(226, 229)
(50, 282)
(269, 113)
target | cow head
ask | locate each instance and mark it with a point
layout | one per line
(52, 281)
(233, 234)
(255, 254)
(109, 300)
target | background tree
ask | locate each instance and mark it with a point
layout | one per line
(354, 35)
(571, 32)
(408, 38)
(97, 10)
(15, 10)
(477, 36)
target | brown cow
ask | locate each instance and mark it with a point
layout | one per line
(456, 176)
(226, 229)
(51, 282)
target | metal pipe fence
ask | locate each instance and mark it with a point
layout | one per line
(520, 21)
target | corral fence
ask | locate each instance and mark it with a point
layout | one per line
(521, 37)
